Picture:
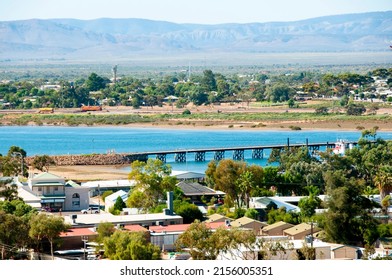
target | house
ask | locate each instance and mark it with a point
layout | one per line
(99, 187)
(53, 193)
(166, 236)
(264, 202)
(275, 229)
(214, 218)
(110, 200)
(198, 192)
(299, 232)
(73, 238)
(187, 175)
(249, 224)
(340, 251)
(92, 220)
(287, 250)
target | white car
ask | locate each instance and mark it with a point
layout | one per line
(94, 210)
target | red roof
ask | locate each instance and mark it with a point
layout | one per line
(78, 232)
(135, 228)
(182, 227)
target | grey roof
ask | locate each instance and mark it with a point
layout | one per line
(190, 188)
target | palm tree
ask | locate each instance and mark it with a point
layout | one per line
(383, 181)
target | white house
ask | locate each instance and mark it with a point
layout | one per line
(51, 192)
(110, 200)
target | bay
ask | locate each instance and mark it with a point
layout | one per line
(55, 140)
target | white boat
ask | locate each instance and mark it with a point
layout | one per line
(341, 146)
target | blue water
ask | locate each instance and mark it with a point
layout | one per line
(85, 140)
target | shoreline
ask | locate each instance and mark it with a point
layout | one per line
(281, 125)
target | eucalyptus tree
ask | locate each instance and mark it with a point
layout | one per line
(43, 162)
(49, 227)
(279, 92)
(8, 190)
(13, 234)
(125, 245)
(153, 180)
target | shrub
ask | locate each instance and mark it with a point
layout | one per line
(186, 112)
(293, 127)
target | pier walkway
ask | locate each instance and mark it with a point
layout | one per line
(238, 153)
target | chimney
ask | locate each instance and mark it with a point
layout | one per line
(169, 202)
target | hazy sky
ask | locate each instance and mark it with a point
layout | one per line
(192, 11)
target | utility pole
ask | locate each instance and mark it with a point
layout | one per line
(84, 239)
(311, 234)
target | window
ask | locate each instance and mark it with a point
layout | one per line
(56, 189)
(40, 189)
(75, 200)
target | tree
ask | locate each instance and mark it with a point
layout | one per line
(226, 179)
(245, 185)
(208, 81)
(306, 253)
(308, 205)
(252, 213)
(153, 180)
(322, 110)
(279, 92)
(200, 241)
(119, 204)
(125, 245)
(95, 82)
(291, 103)
(189, 212)
(13, 233)
(48, 227)
(347, 220)
(13, 163)
(205, 244)
(8, 190)
(43, 162)
(383, 180)
(355, 109)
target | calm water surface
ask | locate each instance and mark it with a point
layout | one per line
(85, 140)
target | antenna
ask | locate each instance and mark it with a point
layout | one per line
(114, 69)
(189, 72)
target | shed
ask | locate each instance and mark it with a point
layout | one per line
(300, 231)
(248, 223)
(276, 228)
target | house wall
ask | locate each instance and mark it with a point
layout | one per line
(276, 231)
(70, 203)
(345, 253)
(299, 236)
(48, 190)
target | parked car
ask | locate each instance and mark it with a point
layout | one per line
(94, 210)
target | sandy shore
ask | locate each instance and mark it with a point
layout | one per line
(83, 173)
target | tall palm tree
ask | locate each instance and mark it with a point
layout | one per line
(383, 180)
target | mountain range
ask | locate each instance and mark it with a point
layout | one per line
(108, 38)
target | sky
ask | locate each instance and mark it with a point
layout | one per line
(188, 11)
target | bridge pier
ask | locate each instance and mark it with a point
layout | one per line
(238, 155)
(180, 157)
(161, 157)
(200, 156)
(257, 153)
(219, 155)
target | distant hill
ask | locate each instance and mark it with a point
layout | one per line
(120, 38)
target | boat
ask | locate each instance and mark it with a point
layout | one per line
(341, 146)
